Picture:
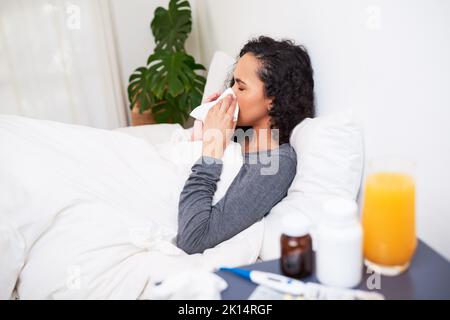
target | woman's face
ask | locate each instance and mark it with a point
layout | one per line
(249, 90)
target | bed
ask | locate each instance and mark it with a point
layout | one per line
(87, 213)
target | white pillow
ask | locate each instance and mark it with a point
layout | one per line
(329, 163)
(220, 67)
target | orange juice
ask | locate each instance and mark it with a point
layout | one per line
(388, 220)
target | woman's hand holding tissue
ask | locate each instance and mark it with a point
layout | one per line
(213, 96)
(197, 132)
(218, 127)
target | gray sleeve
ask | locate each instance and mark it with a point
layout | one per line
(250, 196)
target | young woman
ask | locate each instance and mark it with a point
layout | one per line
(274, 86)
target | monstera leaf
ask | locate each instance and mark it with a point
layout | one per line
(174, 80)
(171, 27)
(177, 109)
(172, 71)
(169, 85)
(139, 90)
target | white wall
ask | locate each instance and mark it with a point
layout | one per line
(388, 60)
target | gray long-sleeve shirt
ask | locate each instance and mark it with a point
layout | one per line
(262, 182)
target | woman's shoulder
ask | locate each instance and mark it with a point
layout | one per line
(288, 158)
(279, 161)
(286, 150)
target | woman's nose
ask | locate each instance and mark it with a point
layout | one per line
(235, 90)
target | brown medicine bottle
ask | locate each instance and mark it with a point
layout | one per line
(296, 247)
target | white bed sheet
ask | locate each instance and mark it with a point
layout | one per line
(88, 213)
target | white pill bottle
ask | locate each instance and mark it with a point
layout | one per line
(339, 246)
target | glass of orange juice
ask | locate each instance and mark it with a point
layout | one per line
(388, 216)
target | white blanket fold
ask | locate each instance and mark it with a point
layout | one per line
(91, 213)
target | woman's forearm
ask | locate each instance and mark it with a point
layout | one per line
(250, 196)
(195, 204)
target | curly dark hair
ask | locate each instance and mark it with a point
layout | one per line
(287, 75)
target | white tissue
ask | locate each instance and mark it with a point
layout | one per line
(188, 285)
(201, 111)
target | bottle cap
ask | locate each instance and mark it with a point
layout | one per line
(296, 225)
(339, 211)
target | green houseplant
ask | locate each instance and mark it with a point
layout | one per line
(168, 84)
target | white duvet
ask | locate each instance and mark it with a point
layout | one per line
(90, 213)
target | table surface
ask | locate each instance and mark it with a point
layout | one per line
(428, 277)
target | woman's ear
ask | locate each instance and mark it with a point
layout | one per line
(270, 104)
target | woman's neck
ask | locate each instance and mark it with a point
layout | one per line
(260, 140)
